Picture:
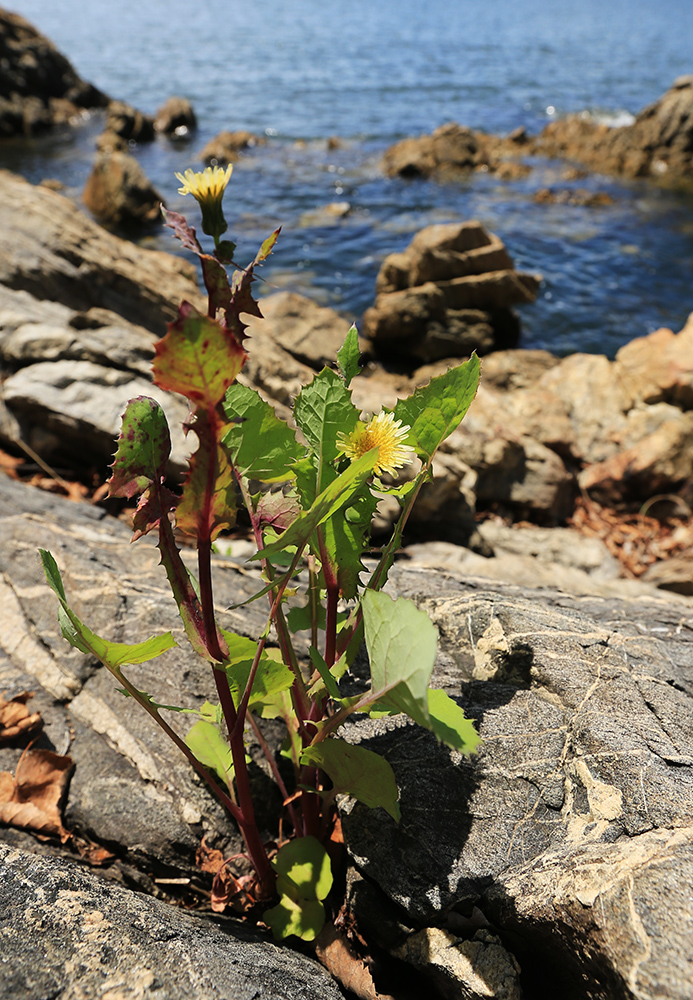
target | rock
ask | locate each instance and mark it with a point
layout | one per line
(450, 292)
(53, 251)
(118, 192)
(585, 199)
(516, 369)
(225, 147)
(64, 931)
(39, 88)
(310, 333)
(659, 463)
(473, 970)
(675, 574)
(572, 823)
(452, 151)
(559, 546)
(129, 123)
(658, 144)
(658, 367)
(176, 118)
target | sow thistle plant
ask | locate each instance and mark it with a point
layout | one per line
(310, 490)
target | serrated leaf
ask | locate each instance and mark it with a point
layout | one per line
(348, 356)
(216, 284)
(198, 358)
(261, 445)
(334, 498)
(205, 510)
(346, 537)
(144, 446)
(322, 410)
(242, 300)
(449, 723)
(181, 230)
(401, 643)
(356, 771)
(112, 654)
(435, 410)
(151, 507)
(211, 749)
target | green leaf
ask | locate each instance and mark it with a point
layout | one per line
(112, 654)
(356, 771)
(348, 356)
(332, 499)
(261, 445)
(328, 679)
(346, 537)
(450, 724)
(322, 410)
(144, 446)
(199, 358)
(401, 643)
(305, 865)
(435, 410)
(211, 749)
(299, 918)
(272, 676)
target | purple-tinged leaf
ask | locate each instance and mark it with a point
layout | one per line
(278, 511)
(217, 284)
(181, 230)
(143, 449)
(152, 506)
(208, 503)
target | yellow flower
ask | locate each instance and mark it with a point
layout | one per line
(384, 433)
(207, 187)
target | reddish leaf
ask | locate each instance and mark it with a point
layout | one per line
(31, 799)
(181, 230)
(153, 505)
(198, 358)
(217, 284)
(15, 717)
(277, 510)
(144, 446)
(242, 300)
(208, 503)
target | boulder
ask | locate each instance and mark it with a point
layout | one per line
(570, 831)
(225, 147)
(119, 193)
(129, 123)
(658, 144)
(310, 333)
(64, 931)
(450, 292)
(451, 151)
(176, 118)
(53, 251)
(39, 88)
(658, 367)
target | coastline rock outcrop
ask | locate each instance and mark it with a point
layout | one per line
(225, 147)
(450, 292)
(39, 88)
(451, 151)
(176, 118)
(658, 144)
(119, 193)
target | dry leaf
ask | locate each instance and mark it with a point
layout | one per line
(15, 717)
(332, 950)
(31, 799)
(208, 859)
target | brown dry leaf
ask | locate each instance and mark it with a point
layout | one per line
(332, 950)
(10, 464)
(31, 799)
(208, 859)
(15, 717)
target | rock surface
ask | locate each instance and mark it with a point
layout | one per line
(39, 88)
(452, 151)
(119, 193)
(658, 144)
(62, 931)
(450, 292)
(225, 147)
(176, 117)
(561, 838)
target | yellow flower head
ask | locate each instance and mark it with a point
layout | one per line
(207, 187)
(384, 433)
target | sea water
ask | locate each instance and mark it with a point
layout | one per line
(370, 72)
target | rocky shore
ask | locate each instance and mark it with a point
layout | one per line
(553, 551)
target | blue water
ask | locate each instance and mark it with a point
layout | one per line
(372, 72)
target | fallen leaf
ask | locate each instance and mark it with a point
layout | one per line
(332, 950)
(15, 717)
(31, 799)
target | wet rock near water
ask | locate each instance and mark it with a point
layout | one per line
(119, 193)
(658, 144)
(39, 88)
(451, 151)
(175, 118)
(129, 123)
(226, 147)
(450, 292)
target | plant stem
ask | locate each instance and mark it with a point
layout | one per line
(295, 818)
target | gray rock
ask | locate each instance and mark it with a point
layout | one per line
(568, 824)
(64, 932)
